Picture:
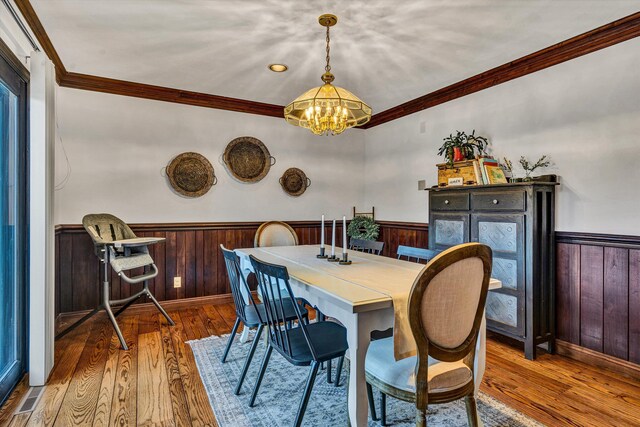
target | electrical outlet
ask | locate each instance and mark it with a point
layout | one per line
(177, 282)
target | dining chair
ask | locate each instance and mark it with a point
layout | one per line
(275, 233)
(369, 246)
(250, 313)
(416, 254)
(446, 305)
(302, 345)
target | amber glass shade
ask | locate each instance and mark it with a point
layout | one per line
(327, 110)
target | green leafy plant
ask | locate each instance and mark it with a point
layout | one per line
(363, 227)
(469, 146)
(528, 167)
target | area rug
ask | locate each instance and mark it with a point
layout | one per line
(282, 386)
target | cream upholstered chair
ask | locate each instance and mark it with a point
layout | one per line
(446, 305)
(275, 233)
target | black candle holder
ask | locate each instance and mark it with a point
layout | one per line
(333, 258)
(345, 259)
(321, 254)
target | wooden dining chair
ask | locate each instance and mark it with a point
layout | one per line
(250, 313)
(446, 305)
(275, 233)
(411, 253)
(369, 246)
(302, 345)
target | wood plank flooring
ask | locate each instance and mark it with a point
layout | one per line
(156, 382)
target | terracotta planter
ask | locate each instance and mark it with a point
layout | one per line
(457, 154)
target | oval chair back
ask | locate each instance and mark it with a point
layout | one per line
(275, 233)
(273, 281)
(446, 305)
(447, 301)
(239, 288)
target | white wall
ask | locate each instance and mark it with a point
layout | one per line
(118, 146)
(584, 113)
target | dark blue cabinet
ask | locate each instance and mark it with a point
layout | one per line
(517, 222)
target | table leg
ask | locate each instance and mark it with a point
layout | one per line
(481, 355)
(358, 336)
(244, 336)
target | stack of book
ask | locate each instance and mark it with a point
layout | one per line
(488, 171)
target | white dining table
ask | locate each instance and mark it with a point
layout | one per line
(348, 293)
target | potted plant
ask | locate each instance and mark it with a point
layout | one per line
(528, 167)
(461, 147)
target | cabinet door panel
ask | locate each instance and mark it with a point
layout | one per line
(448, 230)
(500, 236)
(502, 308)
(504, 234)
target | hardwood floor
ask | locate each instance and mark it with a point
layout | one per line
(156, 382)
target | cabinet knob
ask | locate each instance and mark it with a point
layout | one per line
(446, 202)
(495, 201)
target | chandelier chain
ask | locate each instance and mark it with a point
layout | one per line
(327, 68)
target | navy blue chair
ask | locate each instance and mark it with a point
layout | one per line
(416, 254)
(301, 345)
(250, 313)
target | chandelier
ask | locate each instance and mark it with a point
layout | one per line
(327, 109)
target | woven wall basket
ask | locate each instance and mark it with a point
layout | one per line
(191, 174)
(248, 159)
(294, 182)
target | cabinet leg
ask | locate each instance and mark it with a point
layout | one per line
(529, 349)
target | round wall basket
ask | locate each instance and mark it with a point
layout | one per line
(191, 174)
(294, 182)
(248, 159)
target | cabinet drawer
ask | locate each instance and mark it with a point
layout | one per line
(503, 201)
(450, 202)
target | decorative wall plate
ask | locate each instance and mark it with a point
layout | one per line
(191, 174)
(294, 182)
(248, 159)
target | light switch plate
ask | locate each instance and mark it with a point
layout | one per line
(177, 282)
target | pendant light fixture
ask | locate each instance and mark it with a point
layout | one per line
(327, 109)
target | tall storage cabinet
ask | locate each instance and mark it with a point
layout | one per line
(517, 222)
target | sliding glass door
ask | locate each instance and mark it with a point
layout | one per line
(13, 228)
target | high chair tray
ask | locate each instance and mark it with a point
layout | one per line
(138, 241)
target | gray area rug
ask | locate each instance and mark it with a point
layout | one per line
(282, 387)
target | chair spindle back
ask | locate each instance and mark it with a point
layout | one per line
(417, 254)
(239, 288)
(274, 297)
(368, 246)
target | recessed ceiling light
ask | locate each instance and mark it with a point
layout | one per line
(278, 68)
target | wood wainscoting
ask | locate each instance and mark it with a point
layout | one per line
(191, 252)
(598, 296)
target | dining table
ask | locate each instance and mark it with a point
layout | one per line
(359, 296)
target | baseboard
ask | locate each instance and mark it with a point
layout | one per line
(597, 359)
(64, 319)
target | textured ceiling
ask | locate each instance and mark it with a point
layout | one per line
(385, 52)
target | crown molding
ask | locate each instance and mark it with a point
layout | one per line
(160, 93)
(591, 41)
(602, 37)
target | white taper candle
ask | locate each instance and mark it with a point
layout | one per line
(333, 239)
(322, 233)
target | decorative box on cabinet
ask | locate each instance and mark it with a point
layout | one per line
(517, 222)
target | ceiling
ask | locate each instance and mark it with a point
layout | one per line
(385, 52)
